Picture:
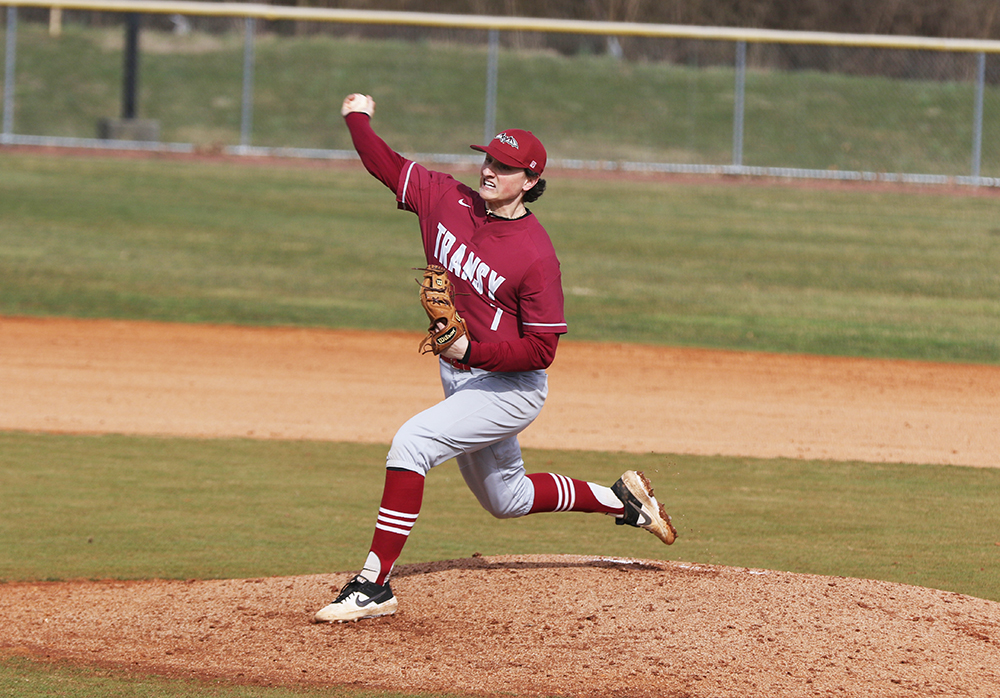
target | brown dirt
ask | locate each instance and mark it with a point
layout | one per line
(525, 625)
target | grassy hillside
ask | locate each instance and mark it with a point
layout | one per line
(431, 98)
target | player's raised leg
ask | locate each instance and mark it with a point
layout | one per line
(630, 501)
(496, 476)
(554, 492)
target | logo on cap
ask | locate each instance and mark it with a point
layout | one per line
(508, 140)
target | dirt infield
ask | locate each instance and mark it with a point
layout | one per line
(526, 625)
(85, 376)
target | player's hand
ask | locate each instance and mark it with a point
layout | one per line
(358, 103)
(457, 350)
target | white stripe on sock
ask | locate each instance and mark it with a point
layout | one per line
(392, 529)
(398, 514)
(565, 491)
(395, 521)
(560, 496)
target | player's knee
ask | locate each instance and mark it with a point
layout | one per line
(406, 459)
(504, 513)
(507, 507)
(410, 453)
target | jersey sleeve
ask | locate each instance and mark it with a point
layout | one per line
(379, 159)
(531, 352)
(542, 304)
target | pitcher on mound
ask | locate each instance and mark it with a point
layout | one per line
(508, 291)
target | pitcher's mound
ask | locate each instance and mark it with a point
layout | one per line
(530, 626)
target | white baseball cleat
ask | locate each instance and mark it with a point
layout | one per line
(641, 508)
(359, 599)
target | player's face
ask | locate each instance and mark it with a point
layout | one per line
(502, 184)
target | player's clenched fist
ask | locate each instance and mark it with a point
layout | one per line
(356, 102)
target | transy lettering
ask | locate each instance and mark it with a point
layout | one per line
(464, 264)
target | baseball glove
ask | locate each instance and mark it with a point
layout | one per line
(438, 298)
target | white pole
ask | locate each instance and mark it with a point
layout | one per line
(55, 22)
(8, 75)
(738, 102)
(977, 124)
(492, 68)
(246, 115)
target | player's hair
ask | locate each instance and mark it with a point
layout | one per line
(536, 191)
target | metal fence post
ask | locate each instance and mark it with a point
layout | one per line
(492, 68)
(977, 123)
(8, 74)
(246, 111)
(738, 102)
(130, 69)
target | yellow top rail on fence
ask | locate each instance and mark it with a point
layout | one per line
(487, 22)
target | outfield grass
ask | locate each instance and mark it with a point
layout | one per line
(895, 274)
(138, 507)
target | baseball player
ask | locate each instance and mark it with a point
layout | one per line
(508, 291)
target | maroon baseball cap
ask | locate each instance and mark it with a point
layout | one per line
(516, 148)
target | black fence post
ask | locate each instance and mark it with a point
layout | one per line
(131, 69)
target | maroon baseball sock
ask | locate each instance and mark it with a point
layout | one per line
(401, 499)
(560, 493)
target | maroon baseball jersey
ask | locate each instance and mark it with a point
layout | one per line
(506, 273)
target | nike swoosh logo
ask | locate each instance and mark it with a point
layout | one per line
(361, 603)
(461, 202)
(644, 518)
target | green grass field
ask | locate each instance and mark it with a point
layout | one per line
(135, 507)
(896, 274)
(889, 273)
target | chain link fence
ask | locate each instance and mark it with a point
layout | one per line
(606, 96)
